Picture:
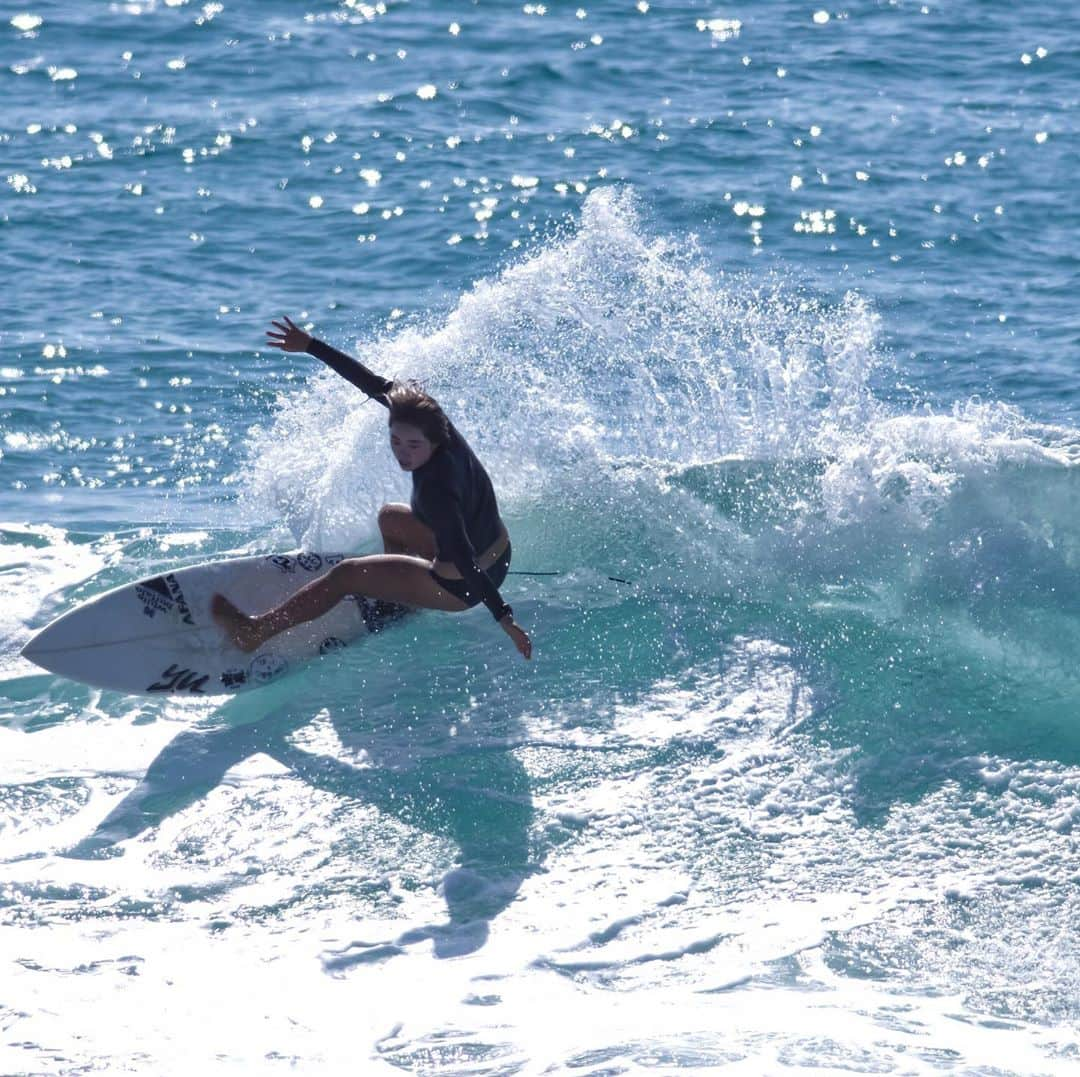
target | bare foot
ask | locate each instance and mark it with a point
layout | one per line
(239, 627)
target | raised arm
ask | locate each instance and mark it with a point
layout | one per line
(289, 337)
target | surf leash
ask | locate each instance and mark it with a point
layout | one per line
(522, 572)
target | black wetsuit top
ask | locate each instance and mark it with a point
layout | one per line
(452, 493)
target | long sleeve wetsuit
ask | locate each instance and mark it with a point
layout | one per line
(452, 493)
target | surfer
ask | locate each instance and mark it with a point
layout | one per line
(431, 557)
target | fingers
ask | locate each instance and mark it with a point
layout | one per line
(520, 638)
(284, 339)
(286, 326)
(524, 645)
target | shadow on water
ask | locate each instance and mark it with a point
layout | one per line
(921, 669)
(478, 799)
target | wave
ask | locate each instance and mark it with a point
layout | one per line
(609, 351)
(719, 441)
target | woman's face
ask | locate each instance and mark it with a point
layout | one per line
(409, 446)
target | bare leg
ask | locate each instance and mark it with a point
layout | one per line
(390, 577)
(402, 532)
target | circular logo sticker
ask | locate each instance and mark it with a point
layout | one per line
(266, 667)
(309, 562)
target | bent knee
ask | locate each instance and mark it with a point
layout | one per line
(394, 512)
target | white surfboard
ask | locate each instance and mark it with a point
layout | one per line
(156, 637)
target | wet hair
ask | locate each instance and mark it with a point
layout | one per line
(410, 404)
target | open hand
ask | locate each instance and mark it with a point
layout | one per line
(517, 634)
(289, 337)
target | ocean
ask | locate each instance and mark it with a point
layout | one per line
(763, 319)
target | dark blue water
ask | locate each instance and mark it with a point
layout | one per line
(768, 311)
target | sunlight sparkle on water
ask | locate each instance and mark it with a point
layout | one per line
(721, 29)
(685, 813)
(816, 221)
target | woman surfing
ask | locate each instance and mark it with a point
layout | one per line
(446, 550)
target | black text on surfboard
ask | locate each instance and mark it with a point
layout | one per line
(154, 595)
(176, 679)
(161, 595)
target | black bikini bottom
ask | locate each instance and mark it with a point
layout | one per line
(460, 588)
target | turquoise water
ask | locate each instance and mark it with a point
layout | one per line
(767, 311)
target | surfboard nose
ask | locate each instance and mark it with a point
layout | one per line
(34, 651)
